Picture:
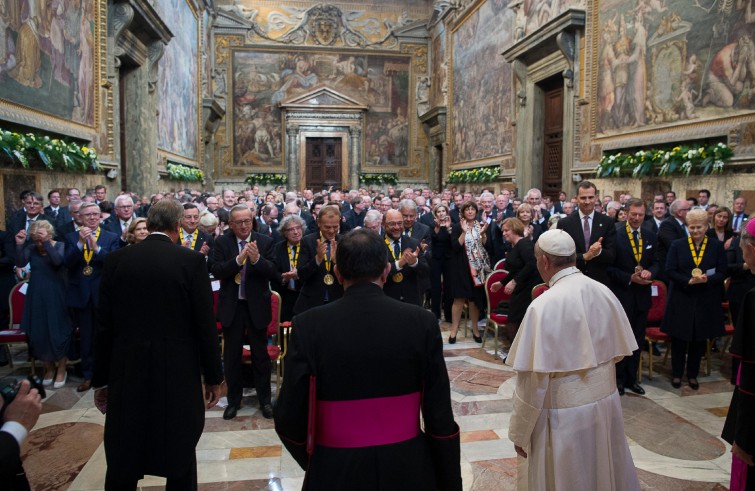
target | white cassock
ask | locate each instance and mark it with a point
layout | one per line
(567, 413)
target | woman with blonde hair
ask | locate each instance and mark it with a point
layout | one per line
(526, 215)
(45, 318)
(137, 231)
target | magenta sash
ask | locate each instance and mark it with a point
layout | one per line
(367, 422)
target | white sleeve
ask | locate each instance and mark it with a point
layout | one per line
(529, 395)
(16, 429)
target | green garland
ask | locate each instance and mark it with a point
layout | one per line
(54, 154)
(685, 159)
(481, 174)
(266, 178)
(179, 172)
(379, 179)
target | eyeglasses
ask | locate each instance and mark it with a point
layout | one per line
(394, 224)
(242, 222)
(293, 229)
(90, 215)
(124, 207)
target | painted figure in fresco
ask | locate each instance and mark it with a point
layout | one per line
(606, 86)
(686, 99)
(731, 74)
(28, 55)
(621, 75)
(300, 78)
(72, 37)
(86, 71)
(57, 55)
(639, 77)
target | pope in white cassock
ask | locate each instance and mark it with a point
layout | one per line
(567, 425)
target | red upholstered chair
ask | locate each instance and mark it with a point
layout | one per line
(500, 265)
(494, 298)
(13, 334)
(275, 350)
(653, 334)
(539, 290)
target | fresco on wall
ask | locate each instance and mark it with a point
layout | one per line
(481, 110)
(439, 85)
(671, 62)
(177, 122)
(47, 57)
(264, 79)
(536, 13)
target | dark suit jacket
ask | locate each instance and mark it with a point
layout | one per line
(603, 226)
(669, 231)
(427, 219)
(54, 215)
(64, 216)
(18, 221)
(154, 342)
(113, 224)
(313, 288)
(408, 289)
(282, 262)
(64, 229)
(202, 238)
(632, 295)
(83, 288)
(354, 219)
(11, 471)
(322, 345)
(258, 277)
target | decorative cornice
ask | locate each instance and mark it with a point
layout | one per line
(545, 40)
(324, 115)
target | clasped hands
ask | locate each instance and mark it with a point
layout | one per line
(250, 252)
(644, 277)
(86, 238)
(409, 257)
(322, 250)
(290, 275)
(696, 280)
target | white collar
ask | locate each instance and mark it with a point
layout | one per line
(562, 274)
(582, 215)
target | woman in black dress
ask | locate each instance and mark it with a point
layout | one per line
(696, 268)
(440, 262)
(286, 258)
(523, 274)
(525, 214)
(469, 268)
(721, 226)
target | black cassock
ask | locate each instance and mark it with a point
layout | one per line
(370, 351)
(740, 421)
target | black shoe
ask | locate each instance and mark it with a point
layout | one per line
(267, 411)
(637, 389)
(620, 388)
(477, 339)
(230, 411)
(451, 339)
(693, 384)
(676, 383)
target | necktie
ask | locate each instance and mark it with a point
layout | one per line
(242, 286)
(737, 222)
(396, 249)
(586, 231)
(636, 235)
(28, 222)
(291, 282)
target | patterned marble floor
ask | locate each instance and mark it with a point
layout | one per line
(673, 434)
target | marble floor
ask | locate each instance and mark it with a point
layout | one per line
(673, 433)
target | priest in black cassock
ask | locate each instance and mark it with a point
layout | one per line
(365, 404)
(739, 429)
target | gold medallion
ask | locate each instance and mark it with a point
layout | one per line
(328, 279)
(398, 277)
(697, 272)
(237, 278)
(638, 269)
(88, 270)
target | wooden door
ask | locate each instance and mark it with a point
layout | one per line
(323, 163)
(553, 141)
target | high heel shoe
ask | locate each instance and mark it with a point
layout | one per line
(477, 339)
(451, 339)
(693, 384)
(48, 381)
(676, 383)
(60, 385)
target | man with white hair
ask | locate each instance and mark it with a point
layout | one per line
(373, 220)
(119, 222)
(567, 424)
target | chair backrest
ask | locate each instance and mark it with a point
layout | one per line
(494, 298)
(16, 301)
(657, 303)
(500, 265)
(275, 311)
(539, 290)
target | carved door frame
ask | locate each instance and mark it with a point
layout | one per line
(345, 161)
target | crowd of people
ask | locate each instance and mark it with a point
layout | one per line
(441, 246)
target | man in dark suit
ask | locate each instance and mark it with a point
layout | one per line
(21, 220)
(315, 264)
(268, 221)
(242, 261)
(72, 225)
(53, 209)
(654, 220)
(18, 419)
(594, 235)
(190, 236)
(631, 275)
(408, 263)
(412, 228)
(535, 198)
(64, 216)
(367, 403)
(155, 337)
(119, 222)
(672, 228)
(738, 213)
(85, 253)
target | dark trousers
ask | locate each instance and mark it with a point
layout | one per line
(438, 295)
(187, 482)
(85, 319)
(692, 350)
(626, 369)
(261, 366)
